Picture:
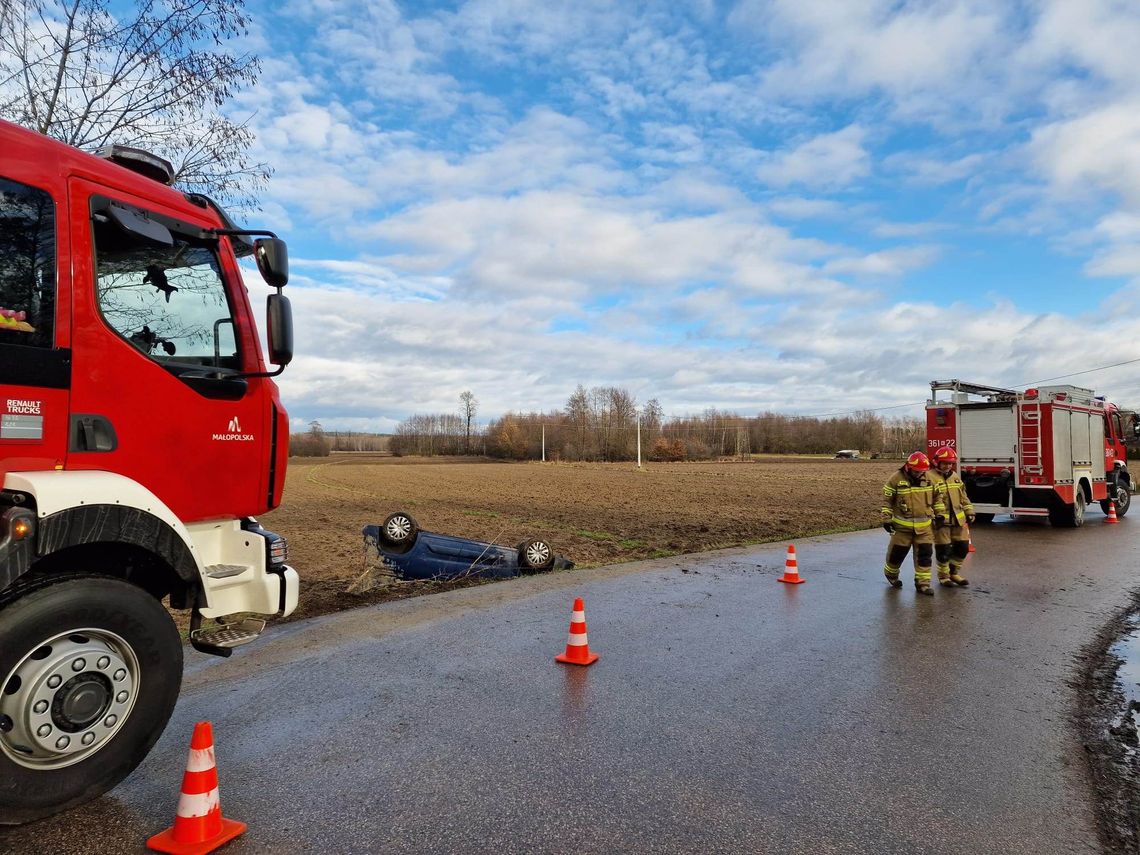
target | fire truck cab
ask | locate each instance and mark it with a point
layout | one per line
(1049, 451)
(140, 435)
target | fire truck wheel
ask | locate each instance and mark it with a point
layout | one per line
(1069, 516)
(90, 669)
(983, 519)
(1122, 497)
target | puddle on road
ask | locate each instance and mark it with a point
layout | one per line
(1127, 650)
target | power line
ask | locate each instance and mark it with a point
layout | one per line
(862, 410)
(1016, 385)
(1078, 373)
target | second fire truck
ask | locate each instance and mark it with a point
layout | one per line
(1048, 451)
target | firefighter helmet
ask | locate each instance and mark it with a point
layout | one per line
(918, 462)
(945, 455)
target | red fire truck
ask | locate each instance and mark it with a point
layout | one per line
(140, 435)
(1048, 451)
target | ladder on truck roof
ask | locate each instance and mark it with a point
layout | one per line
(992, 392)
(1029, 436)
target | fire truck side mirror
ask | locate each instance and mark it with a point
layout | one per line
(272, 260)
(279, 323)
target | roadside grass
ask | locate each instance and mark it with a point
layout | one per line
(594, 535)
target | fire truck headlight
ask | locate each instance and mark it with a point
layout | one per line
(278, 551)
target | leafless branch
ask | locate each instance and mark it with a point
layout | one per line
(157, 77)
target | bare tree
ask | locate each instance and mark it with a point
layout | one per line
(652, 417)
(468, 404)
(92, 72)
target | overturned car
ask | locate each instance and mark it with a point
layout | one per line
(412, 553)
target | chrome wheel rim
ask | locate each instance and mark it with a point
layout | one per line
(398, 528)
(537, 553)
(66, 698)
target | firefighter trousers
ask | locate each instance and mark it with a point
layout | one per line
(922, 539)
(951, 546)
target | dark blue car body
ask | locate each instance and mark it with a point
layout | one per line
(441, 557)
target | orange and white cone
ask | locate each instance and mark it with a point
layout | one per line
(1111, 518)
(577, 647)
(199, 826)
(971, 549)
(791, 568)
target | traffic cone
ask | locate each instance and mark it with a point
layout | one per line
(577, 648)
(1111, 518)
(199, 826)
(791, 569)
(972, 545)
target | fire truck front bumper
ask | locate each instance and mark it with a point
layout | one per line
(290, 589)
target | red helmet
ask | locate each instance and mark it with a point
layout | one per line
(945, 455)
(918, 461)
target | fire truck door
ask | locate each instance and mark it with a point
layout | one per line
(35, 362)
(157, 353)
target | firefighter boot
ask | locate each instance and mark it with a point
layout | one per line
(957, 578)
(893, 578)
(944, 578)
(924, 588)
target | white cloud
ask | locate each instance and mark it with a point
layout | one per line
(1098, 35)
(888, 262)
(516, 198)
(800, 208)
(932, 171)
(928, 57)
(830, 161)
(1115, 261)
(1096, 151)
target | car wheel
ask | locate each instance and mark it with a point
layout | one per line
(1121, 495)
(399, 529)
(90, 669)
(535, 555)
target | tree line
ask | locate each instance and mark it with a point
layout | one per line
(602, 424)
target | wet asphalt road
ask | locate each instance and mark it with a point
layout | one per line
(728, 713)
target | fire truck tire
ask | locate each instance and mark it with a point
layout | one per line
(1069, 516)
(1123, 498)
(983, 519)
(91, 668)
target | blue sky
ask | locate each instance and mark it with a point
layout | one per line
(789, 205)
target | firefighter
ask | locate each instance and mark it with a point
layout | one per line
(952, 526)
(909, 508)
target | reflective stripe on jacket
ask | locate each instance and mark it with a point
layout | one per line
(910, 504)
(951, 492)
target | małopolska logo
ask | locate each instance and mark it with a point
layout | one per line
(233, 433)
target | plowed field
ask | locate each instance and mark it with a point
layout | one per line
(591, 513)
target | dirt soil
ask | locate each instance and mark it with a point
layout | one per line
(1106, 719)
(593, 514)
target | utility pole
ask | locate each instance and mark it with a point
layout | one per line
(639, 440)
(544, 443)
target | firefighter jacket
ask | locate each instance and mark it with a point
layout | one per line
(951, 492)
(910, 503)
